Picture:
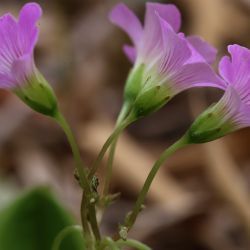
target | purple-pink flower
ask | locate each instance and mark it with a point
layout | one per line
(232, 112)
(169, 58)
(236, 73)
(18, 72)
(17, 42)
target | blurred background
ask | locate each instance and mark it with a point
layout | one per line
(200, 200)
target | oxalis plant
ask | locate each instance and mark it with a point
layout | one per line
(165, 63)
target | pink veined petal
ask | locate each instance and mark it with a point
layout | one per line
(175, 51)
(201, 50)
(168, 12)
(152, 37)
(130, 52)
(225, 69)
(232, 109)
(124, 18)
(229, 104)
(240, 63)
(195, 75)
(9, 48)
(243, 116)
(236, 71)
(28, 17)
(6, 81)
(22, 68)
(17, 41)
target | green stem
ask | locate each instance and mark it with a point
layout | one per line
(66, 231)
(132, 243)
(75, 150)
(124, 112)
(108, 142)
(142, 195)
(85, 204)
(93, 222)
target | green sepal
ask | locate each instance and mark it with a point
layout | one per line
(134, 83)
(150, 100)
(38, 95)
(208, 126)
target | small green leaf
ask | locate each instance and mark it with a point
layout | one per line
(33, 221)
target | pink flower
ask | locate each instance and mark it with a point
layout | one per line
(170, 61)
(17, 42)
(232, 112)
(17, 68)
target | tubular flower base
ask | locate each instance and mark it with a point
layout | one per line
(232, 112)
(18, 72)
(165, 62)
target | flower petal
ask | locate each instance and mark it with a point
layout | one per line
(237, 70)
(201, 50)
(9, 48)
(152, 35)
(225, 69)
(130, 52)
(6, 82)
(124, 18)
(29, 15)
(22, 68)
(175, 51)
(240, 62)
(232, 109)
(195, 75)
(168, 12)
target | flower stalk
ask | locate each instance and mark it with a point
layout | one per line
(87, 208)
(131, 218)
(107, 144)
(122, 116)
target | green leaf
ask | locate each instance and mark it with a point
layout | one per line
(33, 221)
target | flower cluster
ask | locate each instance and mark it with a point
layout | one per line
(166, 63)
